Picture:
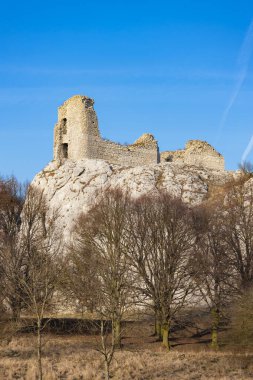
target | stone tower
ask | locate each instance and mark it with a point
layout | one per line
(76, 130)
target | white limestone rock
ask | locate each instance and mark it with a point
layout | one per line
(73, 187)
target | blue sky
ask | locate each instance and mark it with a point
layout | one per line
(171, 68)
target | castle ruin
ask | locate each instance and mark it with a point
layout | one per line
(77, 136)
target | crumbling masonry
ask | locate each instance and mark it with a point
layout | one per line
(77, 136)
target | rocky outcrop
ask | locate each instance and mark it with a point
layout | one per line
(145, 140)
(75, 186)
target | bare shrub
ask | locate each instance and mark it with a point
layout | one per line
(240, 334)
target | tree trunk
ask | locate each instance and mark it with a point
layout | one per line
(107, 370)
(16, 311)
(158, 326)
(117, 332)
(107, 354)
(39, 349)
(215, 324)
(158, 329)
(166, 335)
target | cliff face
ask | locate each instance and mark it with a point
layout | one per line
(76, 185)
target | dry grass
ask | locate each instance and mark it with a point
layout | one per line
(74, 358)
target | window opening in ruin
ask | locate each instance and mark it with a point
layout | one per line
(64, 126)
(65, 150)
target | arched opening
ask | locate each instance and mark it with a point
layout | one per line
(64, 150)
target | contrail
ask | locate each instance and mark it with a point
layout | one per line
(247, 151)
(243, 63)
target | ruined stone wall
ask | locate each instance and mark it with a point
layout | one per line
(77, 136)
(197, 153)
(127, 155)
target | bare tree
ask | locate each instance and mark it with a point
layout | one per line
(39, 241)
(237, 228)
(161, 249)
(211, 267)
(80, 283)
(246, 169)
(12, 196)
(102, 232)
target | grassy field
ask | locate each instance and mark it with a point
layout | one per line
(75, 357)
